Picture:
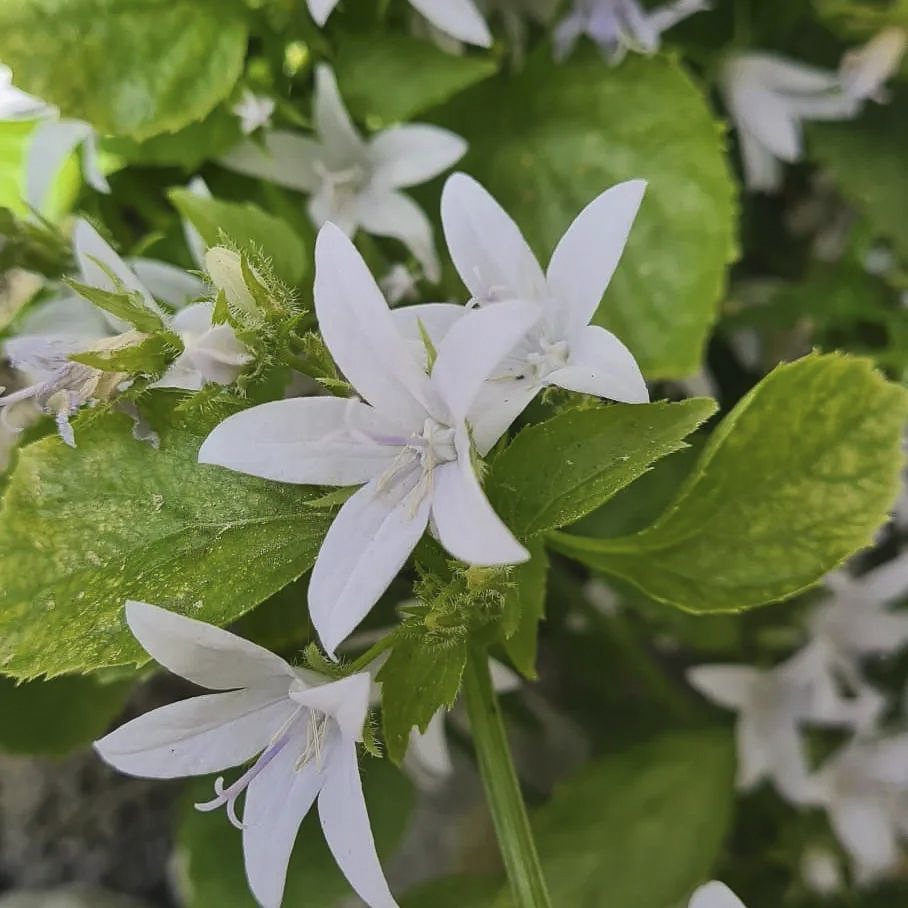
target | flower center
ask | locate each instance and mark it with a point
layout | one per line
(312, 751)
(548, 358)
(341, 186)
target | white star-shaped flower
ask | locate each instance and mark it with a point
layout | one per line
(769, 98)
(715, 895)
(772, 707)
(458, 18)
(352, 182)
(253, 111)
(301, 734)
(563, 348)
(864, 789)
(407, 442)
(617, 26)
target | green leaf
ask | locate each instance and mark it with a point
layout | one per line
(549, 140)
(188, 148)
(129, 67)
(556, 471)
(127, 305)
(866, 158)
(150, 356)
(378, 76)
(639, 829)
(798, 477)
(525, 601)
(418, 679)
(83, 530)
(212, 849)
(13, 137)
(252, 229)
(57, 716)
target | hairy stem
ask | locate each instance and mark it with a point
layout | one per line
(509, 815)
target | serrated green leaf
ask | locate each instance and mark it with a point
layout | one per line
(252, 229)
(547, 141)
(417, 680)
(600, 834)
(388, 78)
(555, 472)
(797, 478)
(866, 158)
(150, 356)
(212, 851)
(128, 67)
(126, 305)
(525, 602)
(83, 530)
(57, 716)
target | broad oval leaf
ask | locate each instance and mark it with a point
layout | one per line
(798, 477)
(549, 140)
(555, 472)
(128, 67)
(83, 530)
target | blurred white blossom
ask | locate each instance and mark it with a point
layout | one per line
(352, 182)
(715, 895)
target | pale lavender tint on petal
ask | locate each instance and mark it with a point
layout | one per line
(201, 652)
(277, 799)
(466, 524)
(345, 823)
(200, 735)
(308, 440)
(363, 551)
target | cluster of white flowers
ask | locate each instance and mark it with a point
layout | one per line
(863, 786)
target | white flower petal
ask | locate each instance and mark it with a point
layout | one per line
(181, 375)
(411, 154)
(499, 402)
(769, 118)
(91, 163)
(346, 701)
(488, 249)
(458, 18)
(762, 170)
(345, 823)
(730, 686)
(867, 832)
(436, 319)
(194, 240)
(865, 70)
(472, 349)
(792, 77)
(200, 652)
(201, 735)
(276, 801)
(167, 282)
(587, 255)
(428, 755)
(321, 9)
(390, 213)
(49, 146)
(65, 316)
(308, 440)
(343, 144)
(363, 551)
(463, 518)
(887, 582)
(715, 895)
(280, 157)
(600, 364)
(359, 330)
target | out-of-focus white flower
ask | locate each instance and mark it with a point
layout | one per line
(855, 621)
(821, 871)
(301, 733)
(864, 70)
(352, 182)
(619, 26)
(458, 18)
(399, 285)
(16, 104)
(769, 98)
(864, 789)
(772, 707)
(715, 895)
(409, 447)
(254, 111)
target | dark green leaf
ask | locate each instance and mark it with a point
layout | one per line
(525, 608)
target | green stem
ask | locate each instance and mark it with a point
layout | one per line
(512, 826)
(371, 654)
